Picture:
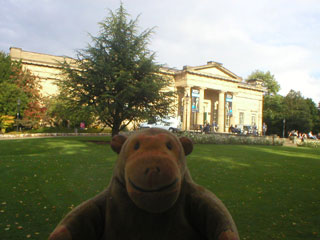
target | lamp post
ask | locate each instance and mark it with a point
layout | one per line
(18, 113)
(187, 103)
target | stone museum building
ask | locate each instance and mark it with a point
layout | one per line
(207, 94)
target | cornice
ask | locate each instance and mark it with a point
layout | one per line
(38, 63)
(212, 76)
(250, 87)
(169, 71)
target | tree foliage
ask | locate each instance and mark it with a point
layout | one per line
(117, 76)
(299, 113)
(273, 113)
(6, 121)
(10, 92)
(315, 115)
(30, 85)
(18, 85)
(6, 68)
(62, 113)
(268, 81)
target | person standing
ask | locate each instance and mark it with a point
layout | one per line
(264, 128)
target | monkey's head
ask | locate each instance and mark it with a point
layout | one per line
(152, 165)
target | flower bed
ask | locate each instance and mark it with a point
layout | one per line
(309, 143)
(217, 138)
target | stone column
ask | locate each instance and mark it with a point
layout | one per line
(221, 111)
(260, 117)
(234, 110)
(187, 111)
(201, 104)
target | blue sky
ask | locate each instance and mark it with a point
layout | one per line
(282, 36)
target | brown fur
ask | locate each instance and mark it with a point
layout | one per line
(151, 196)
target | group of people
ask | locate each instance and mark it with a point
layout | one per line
(208, 128)
(302, 136)
(294, 133)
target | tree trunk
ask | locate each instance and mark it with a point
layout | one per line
(114, 132)
(115, 129)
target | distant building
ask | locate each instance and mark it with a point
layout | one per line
(206, 94)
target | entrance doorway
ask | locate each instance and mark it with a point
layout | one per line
(206, 112)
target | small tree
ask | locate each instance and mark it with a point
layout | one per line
(30, 85)
(6, 122)
(117, 75)
(63, 114)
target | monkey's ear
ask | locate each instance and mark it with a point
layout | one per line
(187, 145)
(117, 142)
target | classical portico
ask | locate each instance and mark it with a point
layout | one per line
(211, 94)
(207, 107)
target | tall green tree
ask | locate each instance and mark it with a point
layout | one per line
(117, 76)
(6, 70)
(315, 115)
(298, 113)
(273, 113)
(268, 81)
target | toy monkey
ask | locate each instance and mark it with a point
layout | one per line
(150, 196)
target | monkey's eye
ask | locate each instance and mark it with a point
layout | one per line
(136, 146)
(169, 145)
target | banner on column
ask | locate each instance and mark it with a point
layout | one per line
(195, 100)
(229, 104)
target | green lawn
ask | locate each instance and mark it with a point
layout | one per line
(272, 192)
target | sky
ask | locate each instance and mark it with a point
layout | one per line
(280, 36)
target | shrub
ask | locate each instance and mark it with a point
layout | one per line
(309, 143)
(6, 121)
(69, 130)
(217, 138)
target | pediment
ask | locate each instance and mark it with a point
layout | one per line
(216, 70)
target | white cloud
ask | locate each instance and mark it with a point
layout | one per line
(280, 36)
(300, 80)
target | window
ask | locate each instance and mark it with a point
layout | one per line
(241, 118)
(253, 120)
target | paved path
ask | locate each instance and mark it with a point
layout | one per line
(289, 143)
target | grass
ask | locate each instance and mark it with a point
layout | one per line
(271, 192)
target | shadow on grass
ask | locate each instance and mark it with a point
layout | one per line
(272, 192)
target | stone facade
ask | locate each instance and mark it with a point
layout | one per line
(44, 66)
(208, 94)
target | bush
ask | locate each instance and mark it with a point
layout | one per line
(62, 113)
(67, 130)
(217, 138)
(309, 143)
(6, 122)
